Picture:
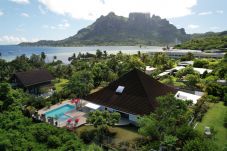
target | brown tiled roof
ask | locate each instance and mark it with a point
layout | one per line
(33, 77)
(138, 97)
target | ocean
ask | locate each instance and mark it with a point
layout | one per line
(9, 52)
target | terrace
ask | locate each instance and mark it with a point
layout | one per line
(60, 114)
(70, 114)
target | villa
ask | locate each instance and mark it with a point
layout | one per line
(131, 95)
(33, 81)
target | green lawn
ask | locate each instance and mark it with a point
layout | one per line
(61, 84)
(124, 133)
(215, 118)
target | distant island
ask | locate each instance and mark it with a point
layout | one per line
(137, 29)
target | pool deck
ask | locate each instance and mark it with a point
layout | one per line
(74, 114)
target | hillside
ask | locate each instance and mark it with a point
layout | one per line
(206, 41)
(138, 28)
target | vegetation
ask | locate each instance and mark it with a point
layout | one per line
(215, 41)
(18, 132)
(117, 134)
(170, 117)
(214, 118)
(102, 120)
(167, 127)
(60, 84)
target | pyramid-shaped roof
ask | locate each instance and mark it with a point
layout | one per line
(138, 95)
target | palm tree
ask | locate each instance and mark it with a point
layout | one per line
(54, 58)
(43, 56)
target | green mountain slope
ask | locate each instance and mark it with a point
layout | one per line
(206, 41)
(138, 28)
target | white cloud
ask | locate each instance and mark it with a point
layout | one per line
(9, 39)
(62, 26)
(12, 39)
(205, 13)
(21, 1)
(24, 15)
(1, 13)
(92, 9)
(219, 11)
(192, 26)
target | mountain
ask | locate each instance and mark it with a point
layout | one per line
(206, 41)
(138, 28)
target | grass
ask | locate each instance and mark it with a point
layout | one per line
(123, 133)
(59, 85)
(215, 118)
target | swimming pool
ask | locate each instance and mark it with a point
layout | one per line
(60, 112)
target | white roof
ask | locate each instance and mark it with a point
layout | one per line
(202, 70)
(187, 96)
(92, 106)
(186, 62)
(163, 73)
(149, 68)
(176, 68)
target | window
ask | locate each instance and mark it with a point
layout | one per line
(120, 89)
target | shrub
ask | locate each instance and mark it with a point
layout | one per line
(53, 141)
(225, 99)
(211, 98)
(225, 120)
(88, 136)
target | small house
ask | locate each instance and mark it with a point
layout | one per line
(33, 81)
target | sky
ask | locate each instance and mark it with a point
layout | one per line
(33, 20)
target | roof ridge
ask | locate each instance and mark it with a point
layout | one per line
(139, 73)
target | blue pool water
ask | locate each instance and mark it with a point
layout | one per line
(60, 112)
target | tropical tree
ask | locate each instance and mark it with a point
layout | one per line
(80, 84)
(100, 72)
(189, 56)
(105, 53)
(171, 114)
(185, 71)
(102, 120)
(98, 53)
(5, 70)
(43, 56)
(192, 80)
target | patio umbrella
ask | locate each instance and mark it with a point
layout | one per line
(69, 120)
(77, 100)
(77, 120)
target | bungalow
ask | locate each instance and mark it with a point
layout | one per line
(149, 70)
(185, 63)
(131, 95)
(202, 70)
(173, 70)
(187, 96)
(32, 81)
